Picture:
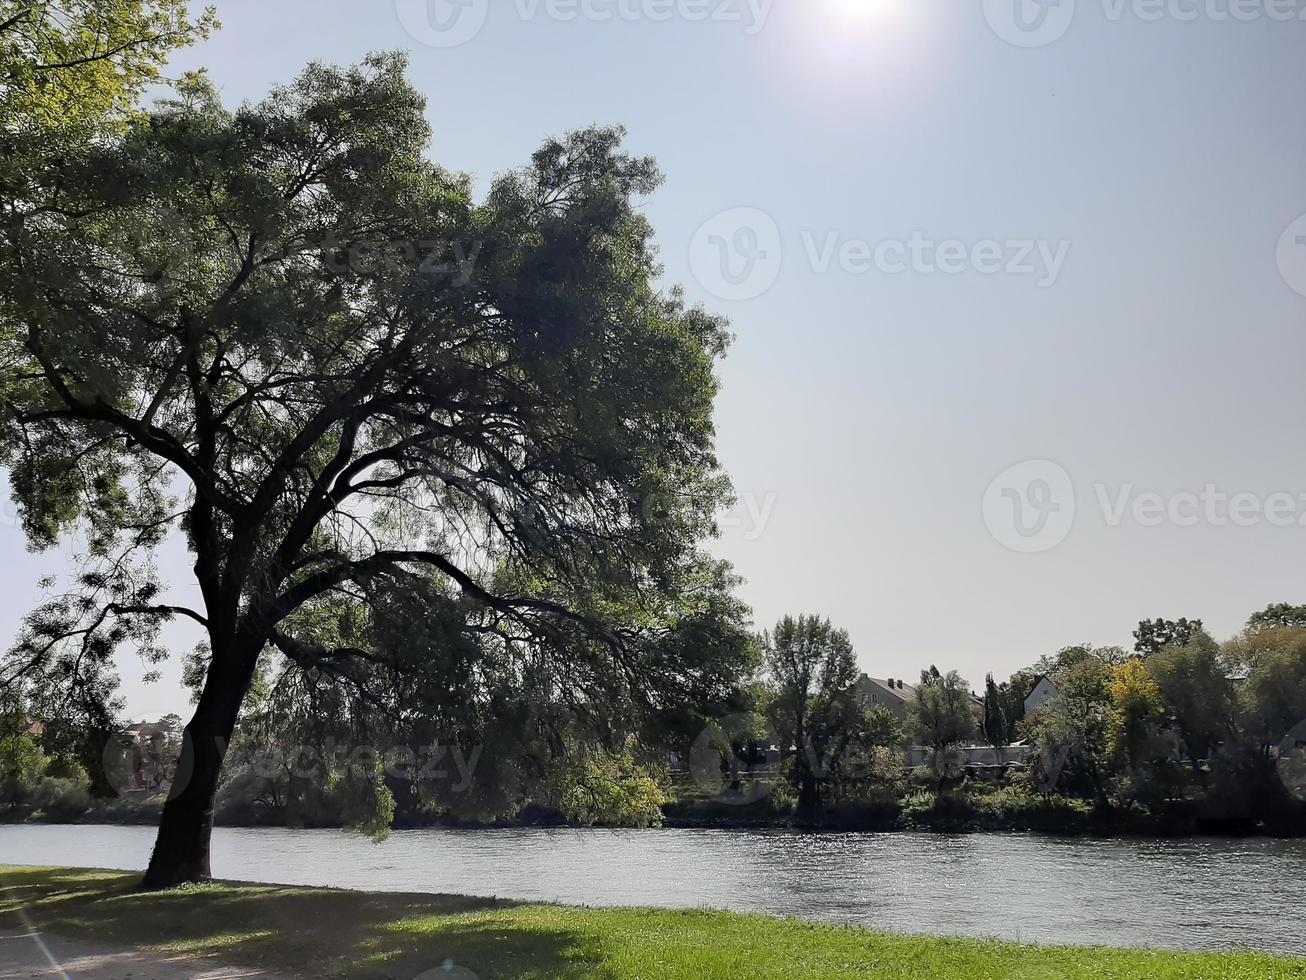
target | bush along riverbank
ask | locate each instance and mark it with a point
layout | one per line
(306, 932)
(957, 811)
(966, 809)
(1000, 810)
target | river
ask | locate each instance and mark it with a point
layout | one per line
(1192, 894)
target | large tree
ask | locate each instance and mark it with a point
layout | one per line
(370, 402)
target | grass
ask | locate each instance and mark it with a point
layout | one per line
(321, 933)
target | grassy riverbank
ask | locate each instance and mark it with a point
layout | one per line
(318, 933)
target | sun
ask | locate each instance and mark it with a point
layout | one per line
(876, 15)
(867, 8)
(874, 56)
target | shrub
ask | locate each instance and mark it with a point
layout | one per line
(612, 791)
(22, 764)
(1017, 808)
(929, 808)
(61, 799)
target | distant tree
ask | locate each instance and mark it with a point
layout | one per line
(609, 790)
(853, 754)
(1154, 635)
(1071, 732)
(942, 715)
(1274, 692)
(1270, 664)
(995, 716)
(1194, 680)
(1280, 615)
(1012, 695)
(1134, 730)
(813, 705)
(1058, 664)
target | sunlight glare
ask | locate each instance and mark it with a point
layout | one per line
(883, 56)
(868, 8)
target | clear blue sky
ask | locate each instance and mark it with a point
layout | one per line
(870, 410)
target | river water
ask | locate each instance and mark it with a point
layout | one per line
(1198, 894)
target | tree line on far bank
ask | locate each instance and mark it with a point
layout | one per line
(1180, 732)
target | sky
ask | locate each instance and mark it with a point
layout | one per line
(1018, 288)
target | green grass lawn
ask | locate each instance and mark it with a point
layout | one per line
(322, 933)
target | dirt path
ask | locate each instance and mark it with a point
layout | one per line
(26, 954)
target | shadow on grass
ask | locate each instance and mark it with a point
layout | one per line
(299, 932)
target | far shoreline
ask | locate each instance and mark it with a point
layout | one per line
(1108, 830)
(1104, 826)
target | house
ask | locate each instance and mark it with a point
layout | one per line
(893, 695)
(896, 695)
(1045, 689)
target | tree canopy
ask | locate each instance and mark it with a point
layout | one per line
(1154, 635)
(1279, 614)
(408, 435)
(943, 713)
(85, 60)
(813, 698)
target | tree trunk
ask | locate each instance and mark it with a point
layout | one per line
(94, 751)
(181, 851)
(809, 793)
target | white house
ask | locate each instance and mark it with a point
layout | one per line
(892, 694)
(1045, 689)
